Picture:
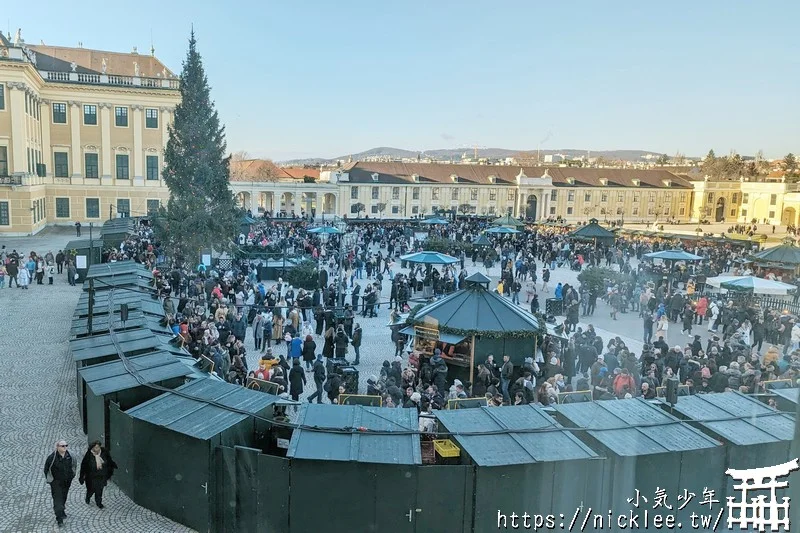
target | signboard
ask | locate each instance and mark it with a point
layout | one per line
(360, 399)
(80, 261)
(206, 259)
(263, 386)
(426, 333)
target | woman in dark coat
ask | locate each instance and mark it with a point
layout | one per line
(297, 378)
(327, 348)
(341, 341)
(97, 468)
(309, 351)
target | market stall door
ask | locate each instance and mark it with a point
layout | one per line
(444, 499)
(395, 498)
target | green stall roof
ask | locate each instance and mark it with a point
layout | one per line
(749, 421)
(130, 341)
(197, 419)
(508, 439)
(118, 268)
(83, 244)
(357, 446)
(111, 377)
(130, 281)
(100, 323)
(792, 395)
(134, 300)
(118, 225)
(634, 427)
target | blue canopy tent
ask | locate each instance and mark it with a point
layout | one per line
(672, 256)
(429, 258)
(503, 230)
(435, 220)
(325, 230)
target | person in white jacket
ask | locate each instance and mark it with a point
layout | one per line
(23, 278)
(796, 336)
(714, 309)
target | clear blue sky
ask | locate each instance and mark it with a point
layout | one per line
(322, 78)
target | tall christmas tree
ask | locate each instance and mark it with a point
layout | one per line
(201, 212)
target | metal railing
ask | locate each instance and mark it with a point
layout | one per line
(10, 180)
(111, 79)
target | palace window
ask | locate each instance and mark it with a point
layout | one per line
(90, 166)
(61, 163)
(152, 167)
(415, 193)
(395, 193)
(123, 207)
(553, 197)
(59, 113)
(571, 196)
(121, 117)
(376, 193)
(93, 208)
(473, 194)
(354, 193)
(90, 115)
(151, 118)
(62, 207)
(122, 167)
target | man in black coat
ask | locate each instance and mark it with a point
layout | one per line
(319, 379)
(59, 471)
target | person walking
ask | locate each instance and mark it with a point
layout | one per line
(297, 378)
(23, 278)
(97, 467)
(356, 342)
(59, 471)
(72, 273)
(78, 229)
(506, 373)
(319, 379)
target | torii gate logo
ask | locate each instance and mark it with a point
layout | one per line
(756, 511)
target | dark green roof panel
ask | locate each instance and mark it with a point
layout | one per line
(100, 323)
(634, 427)
(198, 419)
(152, 368)
(792, 395)
(737, 418)
(118, 268)
(103, 346)
(509, 436)
(128, 281)
(477, 309)
(337, 445)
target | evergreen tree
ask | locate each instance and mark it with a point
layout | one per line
(201, 212)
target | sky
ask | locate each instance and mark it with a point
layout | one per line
(326, 79)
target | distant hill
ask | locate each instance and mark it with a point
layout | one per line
(457, 153)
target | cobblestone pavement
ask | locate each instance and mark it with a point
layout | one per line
(38, 405)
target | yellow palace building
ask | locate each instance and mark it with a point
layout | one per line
(82, 134)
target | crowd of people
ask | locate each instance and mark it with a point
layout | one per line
(300, 335)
